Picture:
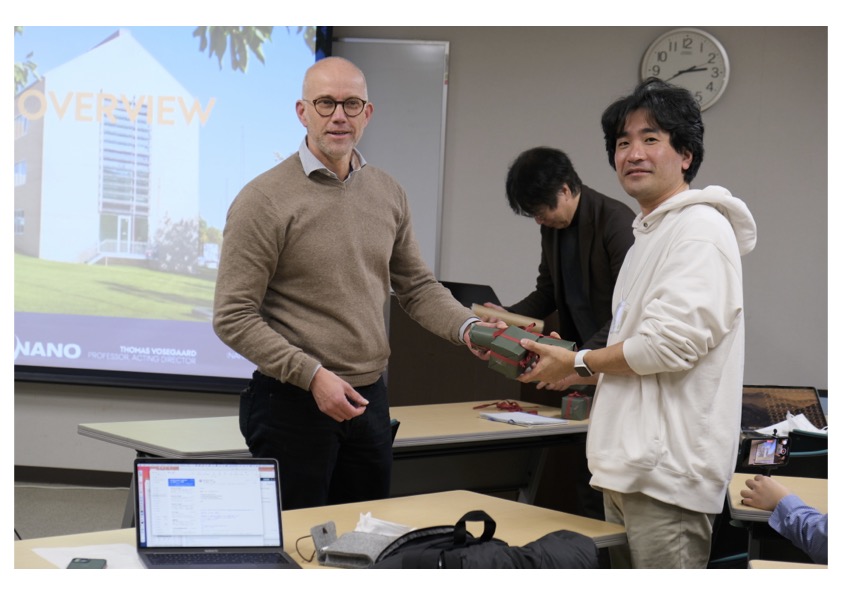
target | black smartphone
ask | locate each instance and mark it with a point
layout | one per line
(87, 563)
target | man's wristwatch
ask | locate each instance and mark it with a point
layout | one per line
(579, 364)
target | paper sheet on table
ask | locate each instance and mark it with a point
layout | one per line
(118, 555)
(792, 422)
(519, 418)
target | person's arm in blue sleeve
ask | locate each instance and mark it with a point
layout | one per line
(803, 525)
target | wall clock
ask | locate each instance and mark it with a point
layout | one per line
(690, 58)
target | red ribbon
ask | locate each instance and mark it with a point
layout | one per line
(503, 358)
(508, 406)
(527, 358)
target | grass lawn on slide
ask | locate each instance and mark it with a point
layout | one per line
(121, 291)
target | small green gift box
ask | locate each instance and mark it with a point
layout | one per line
(482, 336)
(507, 343)
(508, 368)
(569, 345)
(531, 358)
(508, 356)
(576, 406)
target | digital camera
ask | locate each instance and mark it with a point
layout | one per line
(763, 451)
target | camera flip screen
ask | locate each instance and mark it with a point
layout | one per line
(767, 452)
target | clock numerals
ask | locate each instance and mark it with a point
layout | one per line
(690, 58)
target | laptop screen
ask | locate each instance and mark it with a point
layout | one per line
(210, 503)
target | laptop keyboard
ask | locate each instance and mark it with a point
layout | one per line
(216, 559)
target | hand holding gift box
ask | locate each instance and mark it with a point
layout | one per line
(508, 356)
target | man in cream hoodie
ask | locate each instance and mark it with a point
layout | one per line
(664, 431)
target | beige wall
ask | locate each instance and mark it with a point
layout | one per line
(514, 88)
(766, 141)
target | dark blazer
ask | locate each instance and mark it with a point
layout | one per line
(605, 235)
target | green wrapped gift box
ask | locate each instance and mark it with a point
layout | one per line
(576, 406)
(533, 357)
(507, 343)
(508, 368)
(482, 336)
(508, 356)
(569, 345)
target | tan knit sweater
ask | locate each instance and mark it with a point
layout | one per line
(305, 273)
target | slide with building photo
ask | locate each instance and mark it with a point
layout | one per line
(129, 146)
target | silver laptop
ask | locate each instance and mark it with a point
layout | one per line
(209, 513)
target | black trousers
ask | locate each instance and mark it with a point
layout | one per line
(321, 461)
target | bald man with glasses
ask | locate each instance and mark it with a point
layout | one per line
(310, 251)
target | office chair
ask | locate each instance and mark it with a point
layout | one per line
(807, 444)
(807, 455)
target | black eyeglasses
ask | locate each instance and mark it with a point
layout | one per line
(325, 106)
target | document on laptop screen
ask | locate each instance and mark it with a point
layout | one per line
(209, 505)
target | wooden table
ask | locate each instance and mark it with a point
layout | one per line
(811, 490)
(774, 564)
(422, 426)
(438, 447)
(517, 524)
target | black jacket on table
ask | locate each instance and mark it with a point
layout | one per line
(605, 235)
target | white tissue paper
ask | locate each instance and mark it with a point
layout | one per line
(792, 422)
(368, 524)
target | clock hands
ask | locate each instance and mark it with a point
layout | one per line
(686, 70)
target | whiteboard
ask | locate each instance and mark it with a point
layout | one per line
(407, 83)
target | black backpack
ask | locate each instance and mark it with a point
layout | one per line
(453, 546)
